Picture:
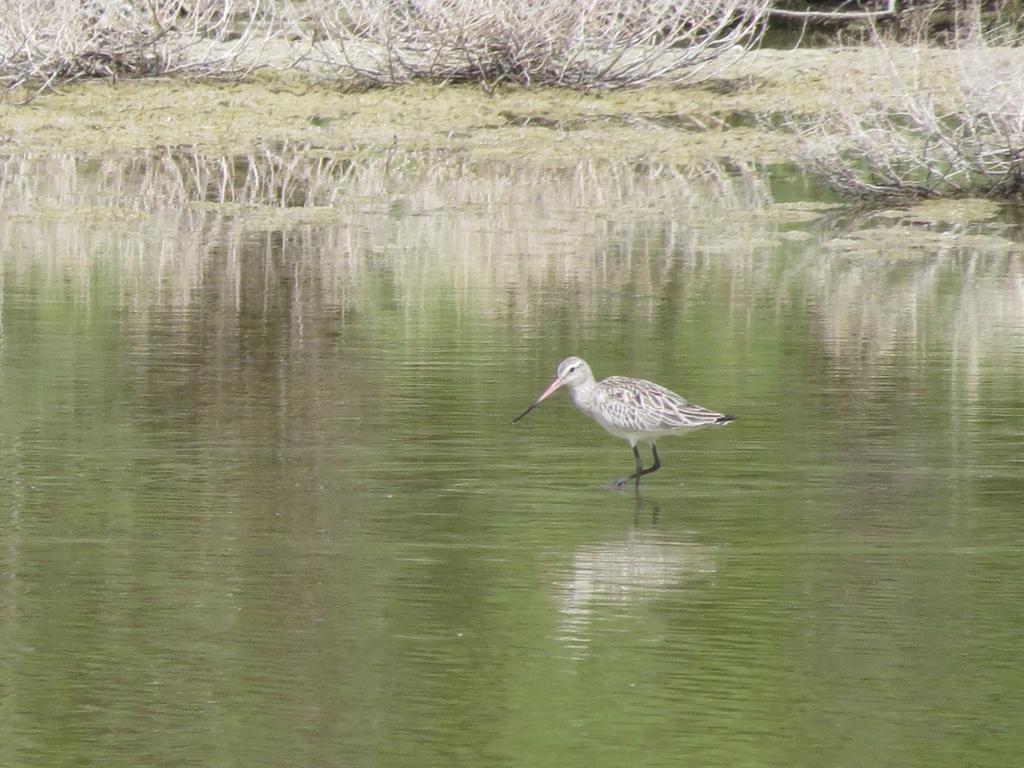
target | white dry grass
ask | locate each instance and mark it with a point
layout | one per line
(576, 43)
(936, 125)
(43, 42)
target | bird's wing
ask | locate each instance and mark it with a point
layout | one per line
(644, 406)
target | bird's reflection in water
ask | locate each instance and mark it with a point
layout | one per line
(644, 509)
(610, 578)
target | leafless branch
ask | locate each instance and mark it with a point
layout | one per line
(821, 16)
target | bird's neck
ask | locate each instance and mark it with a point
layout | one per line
(583, 394)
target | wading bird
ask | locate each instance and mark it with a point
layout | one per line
(636, 410)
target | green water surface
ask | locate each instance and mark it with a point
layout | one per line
(262, 503)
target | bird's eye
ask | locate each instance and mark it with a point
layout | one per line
(572, 368)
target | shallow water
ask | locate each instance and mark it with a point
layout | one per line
(264, 505)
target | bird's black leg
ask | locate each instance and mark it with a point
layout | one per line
(639, 463)
(652, 468)
(620, 483)
(657, 461)
(641, 505)
(640, 471)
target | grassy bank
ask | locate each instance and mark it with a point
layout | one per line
(718, 119)
(872, 121)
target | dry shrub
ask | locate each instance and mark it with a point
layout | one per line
(949, 123)
(576, 43)
(48, 41)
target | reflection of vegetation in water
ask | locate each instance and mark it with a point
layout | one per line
(496, 238)
(513, 225)
(939, 276)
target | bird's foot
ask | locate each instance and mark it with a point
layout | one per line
(618, 484)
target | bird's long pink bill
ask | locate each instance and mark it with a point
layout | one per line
(551, 388)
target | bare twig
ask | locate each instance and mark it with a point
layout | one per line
(821, 16)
